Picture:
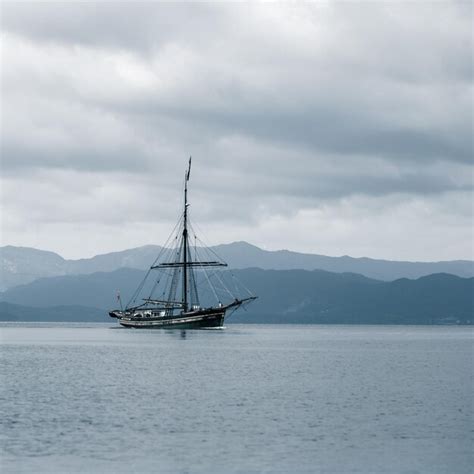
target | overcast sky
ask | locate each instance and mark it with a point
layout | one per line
(330, 128)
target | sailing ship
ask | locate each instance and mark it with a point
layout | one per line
(173, 284)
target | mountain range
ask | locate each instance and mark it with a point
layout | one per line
(285, 296)
(21, 265)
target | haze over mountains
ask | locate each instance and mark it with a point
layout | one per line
(292, 287)
(20, 265)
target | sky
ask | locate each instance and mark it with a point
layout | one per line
(336, 128)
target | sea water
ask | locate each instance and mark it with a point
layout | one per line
(247, 399)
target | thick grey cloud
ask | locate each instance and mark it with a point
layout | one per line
(288, 110)
(138, 26)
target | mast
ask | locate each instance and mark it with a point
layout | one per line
(185, 240)
(183, 259)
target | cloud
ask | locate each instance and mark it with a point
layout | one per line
(287, 109)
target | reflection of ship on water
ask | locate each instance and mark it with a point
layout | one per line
(181, 269)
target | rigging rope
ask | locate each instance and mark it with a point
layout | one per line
(209, 281)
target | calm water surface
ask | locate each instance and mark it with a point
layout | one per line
(248, 399)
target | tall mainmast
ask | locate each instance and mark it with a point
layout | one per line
(183, 259)
(185, 239)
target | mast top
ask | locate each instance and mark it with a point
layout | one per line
(188, 172)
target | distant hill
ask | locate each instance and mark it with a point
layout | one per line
(14, 312)
(20, 265)
(97, 290)
(285, 296)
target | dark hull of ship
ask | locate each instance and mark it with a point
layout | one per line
(200, 320)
